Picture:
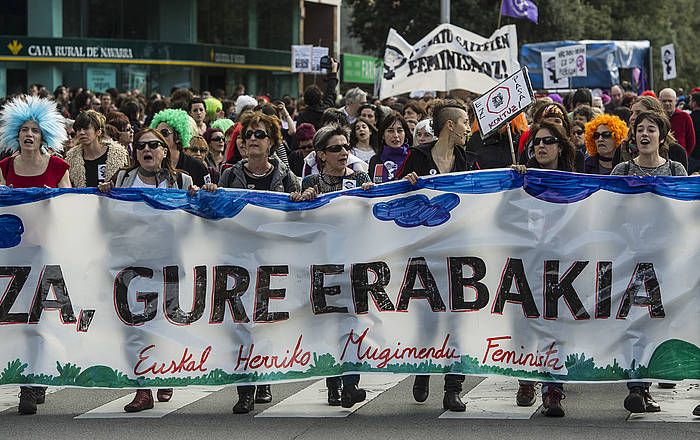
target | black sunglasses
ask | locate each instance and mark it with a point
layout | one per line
(259, 134)
(217, 139)
(150, 144)
(604, 135)
(165, 132)
(578, 132)
(198, 150)
(547, 140)
(337, 148)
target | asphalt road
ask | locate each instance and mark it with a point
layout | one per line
(592, 412)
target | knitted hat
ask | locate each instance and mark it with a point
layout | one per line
(244, 101)
(222, 124)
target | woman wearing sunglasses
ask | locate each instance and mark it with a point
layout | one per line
(153, 169)
(553, 150)
(603, 136)
(332, 151)
(177, 128)
(261, 169)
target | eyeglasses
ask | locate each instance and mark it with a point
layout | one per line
(217, 139)
(150, 144)
(337, 148)
(198, 150)
(604, 135)
(259, 134)
(547, 140)
(165, 132)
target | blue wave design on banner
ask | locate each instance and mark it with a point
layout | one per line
(549, 186)
(417, 210)
(11, 230)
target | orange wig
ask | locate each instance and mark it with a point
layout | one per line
(616, 125)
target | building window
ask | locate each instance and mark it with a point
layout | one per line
(275, 24)
(223, 23)
(114, 19)
(13, 17)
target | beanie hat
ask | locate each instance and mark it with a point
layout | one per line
(244, 101)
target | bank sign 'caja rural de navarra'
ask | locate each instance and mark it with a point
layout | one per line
(546, 276)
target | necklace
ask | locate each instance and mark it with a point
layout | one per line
(256, 175)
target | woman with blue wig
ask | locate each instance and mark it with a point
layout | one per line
(31, 127)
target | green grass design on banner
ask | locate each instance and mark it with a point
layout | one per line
(673, 360)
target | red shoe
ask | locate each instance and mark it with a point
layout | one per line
(164, 394)
(143, 400)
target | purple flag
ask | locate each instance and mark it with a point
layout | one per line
(520, 9)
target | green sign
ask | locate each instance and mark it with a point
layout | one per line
(13, 48)
(360, 68)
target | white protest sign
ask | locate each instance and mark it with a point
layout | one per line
(449, 58)
(504, 102)
(668, 58)
(550, 79)
(316, 54)
(571, 61)
(301, 58)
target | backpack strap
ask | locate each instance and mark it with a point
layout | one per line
(672, 165)
(627, 167)
(178, 179)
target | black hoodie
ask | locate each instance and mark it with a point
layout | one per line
(420, 161)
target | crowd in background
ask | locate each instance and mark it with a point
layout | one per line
(318, 143)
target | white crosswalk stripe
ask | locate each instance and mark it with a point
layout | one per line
(9, 393)
(492, 398)
(312, 401)
(180, 399)
(676, 404)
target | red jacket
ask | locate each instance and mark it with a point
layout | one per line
(683, 130)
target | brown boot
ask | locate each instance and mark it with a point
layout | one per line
(143, 400)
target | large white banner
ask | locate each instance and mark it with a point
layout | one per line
(547, 276)
(449, 58)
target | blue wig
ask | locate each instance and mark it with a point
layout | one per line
(31, 108)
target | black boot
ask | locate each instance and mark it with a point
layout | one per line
(263, 394)
(334, 390)
(40, 395)
(27, 400)
(246, 400)
(352, 395)
(453, 386)
(421, 388)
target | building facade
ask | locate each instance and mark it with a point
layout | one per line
(158, 45)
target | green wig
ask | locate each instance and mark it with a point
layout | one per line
(178, 120)
(213, 106)
(222, 124)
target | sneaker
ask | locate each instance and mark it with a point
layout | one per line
(526, 394)
(142, 400)
(551, 403)
(27, 400)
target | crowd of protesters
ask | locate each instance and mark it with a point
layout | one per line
(316, 144)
